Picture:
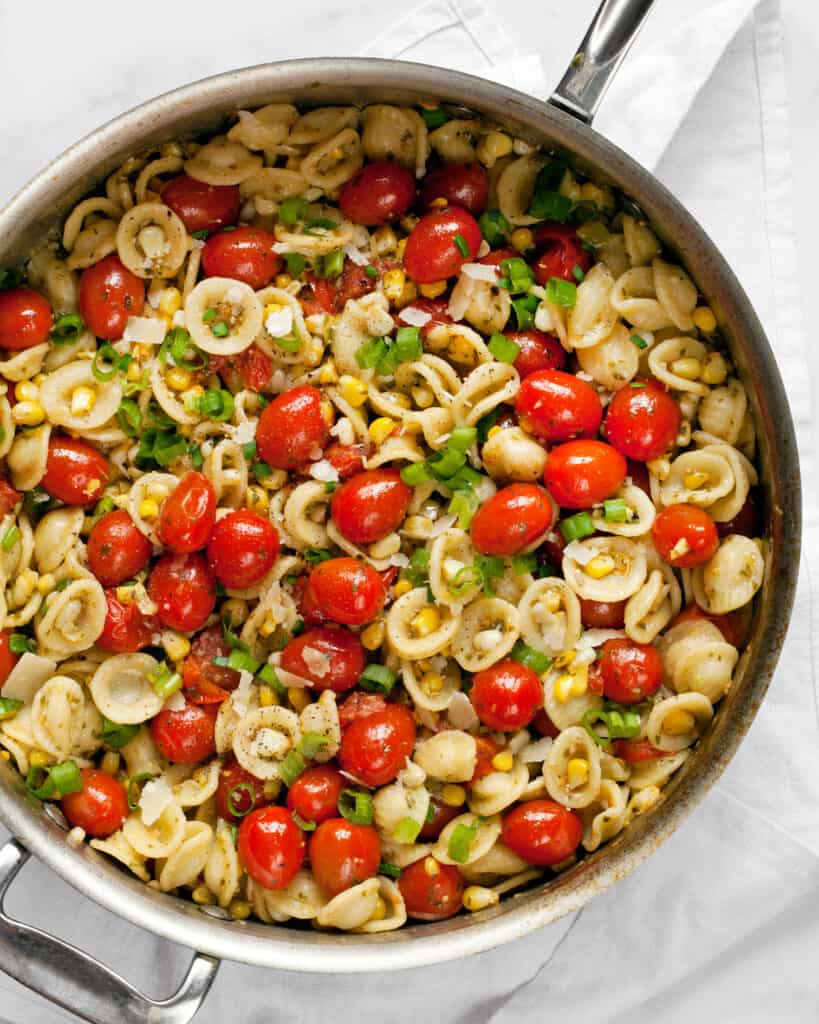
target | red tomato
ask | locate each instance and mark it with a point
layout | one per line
(542, 832)
(8, 496)
(635, 751)
(185, 736)
(433, 253)
(244, 253)
(204, 682)
(538, 351)
(580, 474)
(732, 625)
(238, 792)
(631, 671)
(684, 536)
(486, 750)
(497, 256)
(271, 847)
(747, 521)
(109, 294)
(347, 459)
(340, 651)
(76, 473)
(431, 897)
(465, 185)
(377, 193)
(544, 725)
(293, 427)
(360, 705)
(188, 514)
(370, 505)
(343, 854)
(347, 591)
(126, 629)
(506, 695)
(374, 749)
(512, 519)
(101, 805)
(330, 296)
(201, 207)
(117, 551)
(642, 421)
(25, 318)
(558, 406)
(437, 309)
(242, 548)
(8, 659)
(251, 369)
(442, 814)
(314, 795)
(602, 614)
(184, 589)
(563, 251)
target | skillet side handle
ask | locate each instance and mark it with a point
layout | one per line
(610, 35)
(77, 982)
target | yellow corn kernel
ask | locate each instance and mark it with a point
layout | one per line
(432, 682)
(178, 379)
(202, 895)
(383, 241)
(148, 508)
(267, 698)
(175, 645)
(577, 772)
(134, 371)
(460, 351)
(426, 621)
(492, 147)
(601, 197)
(171, 302)
(239, 910)
(553, 602)
(26, 391)
(714, 369)
(693, 481)
(563, 689)
(493, 431)
(5, 755)
(704, 319)
(110, 762)
(28, 414)
(380, 429)
(402, 587)
(453, 796)
(125, 594)
(600, 567)
(46, 583)
(431, 866)
(190, 396)
(433, 289)
(39, 759)
(440, 203)
(283, 280)
(409, 293)
(659, 467)
(353, 390)
(478, 897)
(393, 283)
(328, 373)
(678, 722)
(40, 379)
(257, 498)
(82, 401)
(522, 239)
(688, 368)
(580, 681)
(380, 911)
(504, 761)
(268, 627)
(564, 659)
(299, 697)
(373, 636)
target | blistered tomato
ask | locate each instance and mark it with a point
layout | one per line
(343, 854)
(238, 792)
(109, 294)
(76, 472)
(561, 250)
(558, 406)
(242, 548)
(642, 420)
(580, 474)
(440, 243)
(359, 705)
(370, 505)
(293, 428)
(185, 736)
(271, 847)
(117, 551)
(465, 185)
(631, 671)
(431, 896)
(100, 807)
(201, 207)
(245, 254)
(332, 658)
(542, 832)
(512, 519)
(602, 614)
(346, 591)
(204, 682)
(8, 659)
(347, 459)
(188, 514)
(25, 319)
(438, 817)
(379, 192)
(314, 794)
(374, 749)
(685, 536)
(506, 695)
(184, 589)
(126, 628)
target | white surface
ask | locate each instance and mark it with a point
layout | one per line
(723, 921)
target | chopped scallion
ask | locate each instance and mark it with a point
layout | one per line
(561, 293)
(461, 245)
(577, 526)
(356, 806)
(461, 841)
(291, 767)
(615, 510)
(377, 679)
(641, 343)
(115, 735)
(406, 831)
(503, 349)
(9, 707)
(536, 660)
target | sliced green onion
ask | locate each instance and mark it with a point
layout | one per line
(162, 447)
(418, 569)
(305, 826)
(63, 584)
(9, 707)
(434, 118)
(202, 234)
(522, 564)
(641, 343)
(240, 787)
(164, 681)
(181, 351)
(406, 831)
(462, 438)
(407, 344)
(292, 210)
(548, 205)
(446, 462)
(370, 354)
(377, 679)
(621, 723)
(550, 175)
(464, 505)
(525, 308)
(356, 806)
(390, 870)
(315, 555)
(104, 506)
(461, 841)
(330, 486)
(216, 404)
(66, 328)
(370, 271)
(430, 815)
(10, 538)
(10, 278)
(561, 293)
(494, 226)
(536, 660)
(104, 365)
(415, 473)
(578, 273)
(615, 510)
(54, 782)
(461, 245)
(288, 344)
(331, 264)
(519, 274)
(20, 644)
(503, 349)
(464, 580)
(129, 417)
(295, 263)
(115, 734)
(249, 450)
(291, 767)
(267, 674)
(220, 330)
(133, 790)
(239, 660)
(577, 526)
(312, 743)
(197, 458)
(485, 424)
(491, 568)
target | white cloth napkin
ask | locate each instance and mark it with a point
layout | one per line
(722, 920)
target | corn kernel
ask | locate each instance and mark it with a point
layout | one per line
(178, 379)
(353, 390)
(26, 391)
(46, 583)
(564, 659)
(601, 197)
(460, 351)
(380, 429)
(659, 467)
(522, 239)
(283, 280)
(5, 755)
(125, 594)
(257, 498)
(393, 283)
(82, 401)
(380, 911)
(433, 289)
(40, 379)
(39, 758)
(28, 414)
(373, 636)
(478, 897)
(693, 481)
(600, 567)
(432, 683)
(134, 371)
(328, 373)
(577, 772)
(110, 762)
(431, 867)
(423, 397)
(504, 761)
(687, 367)
(402, 587)
(714, 369)
(493, 147)
(426, 621)
(563, 689)
(704, 319)
(239, 910)
(190, 396)
(175, 645)
(452, 795)
(171, 302)
(678, 722)
(267, 698)
(493, 431)
(268, 627)
(148, 508)
(299, 697)
(202, 895)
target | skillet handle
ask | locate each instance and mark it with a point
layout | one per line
(77, 982)
(610, 35)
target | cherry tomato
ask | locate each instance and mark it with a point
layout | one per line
(126, 628)
(732, 625)
(374, 749)
(437, 309)
(642, 420)
(251, 369)
(343, 854)
(293, 427)
(117, 551)
(201, 207)
(562, 252)
(8, 496)
(465, 185)
(631, 671)
(580, 474)
(185, 736)
(544, 725)
(497, 256)
(271, 847)
(377, 193)
(76, 473)
(684, 536)
(184, 589)
(438, 817)
(100, 807)
(347, 459)
(188, 514)
(347, 591)
(486, 749)
(204, 682)
(538, 351)
(25, 318)
(542, 832)
(109, 294)
(330, 296)
(431, 897)
(433, 252)
(370, 505)
(747, 521)
(506, 695)
(244, 253)
(512, 519)
(242, 548)
(314, 795)
(602, 614)
(558, 406)
(635, 751)
(359, 705)
(332, 658)
(238, 792)
(8, 659)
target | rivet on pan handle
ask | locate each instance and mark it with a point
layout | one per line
(80, 984)
(611, 33)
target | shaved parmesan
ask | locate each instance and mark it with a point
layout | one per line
(324, 470)
(356, 255)
(282, 248)
(576, 551)
(241, 695)
(534, 753)
(145, 330)
(414, 317)
(402, 561)
(291, 679)
(461, 297)
(279, 323)
(234, 295)
(154, 799)
(460, 713)
(176, 702)
(597, 637)
(318, 662)
(27, 676)
(343, 430)
(480, 272)
(245, 431)
(179, 318)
